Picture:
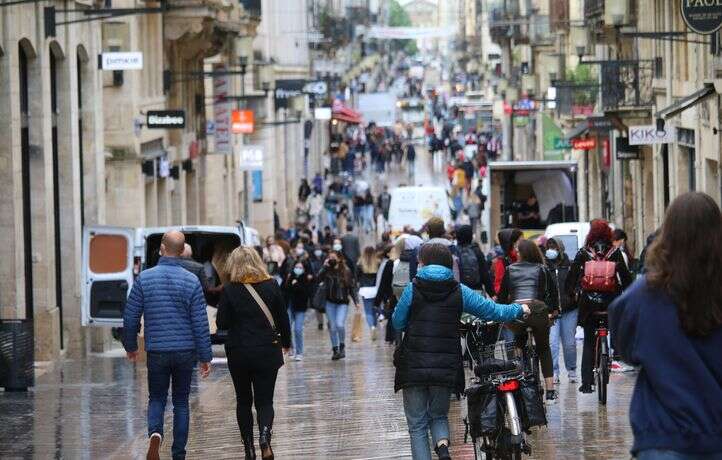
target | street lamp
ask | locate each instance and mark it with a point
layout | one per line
(616, 11)
(579, 39)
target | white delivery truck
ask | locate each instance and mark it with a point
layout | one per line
(413, 206)
(379, 108)
(113, 256)
(508, 186)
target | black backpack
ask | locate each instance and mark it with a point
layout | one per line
(469, 267)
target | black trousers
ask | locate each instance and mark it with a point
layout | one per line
(539, 324)
(590, 327)
(255, 382)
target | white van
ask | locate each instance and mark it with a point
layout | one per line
(413, 206)
(113, 256)
(572, 235)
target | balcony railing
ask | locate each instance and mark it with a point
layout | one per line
(627, 84)
(575, 98)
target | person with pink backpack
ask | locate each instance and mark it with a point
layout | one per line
(598, 275)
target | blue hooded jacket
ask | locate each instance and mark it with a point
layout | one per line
(474, 303)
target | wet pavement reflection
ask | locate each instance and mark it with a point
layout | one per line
(325, 409)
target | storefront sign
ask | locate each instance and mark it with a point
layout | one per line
(221, 113)
(120, 61)
(599, 124)
(242, 122)
(626, 151)
(702, 16)
(584, 144)
(285, 90)
(319, 88)
(165, 119)
(322, 113)
(648, 135)
(560, 143)
(251, 157)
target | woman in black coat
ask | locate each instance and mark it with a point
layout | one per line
(255, 342)
(299, 287)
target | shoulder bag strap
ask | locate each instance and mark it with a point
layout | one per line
(261, 304)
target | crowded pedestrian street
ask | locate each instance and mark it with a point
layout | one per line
(95, 408)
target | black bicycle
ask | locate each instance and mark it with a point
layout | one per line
(602, 359)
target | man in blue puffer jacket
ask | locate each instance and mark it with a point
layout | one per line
(170, 299)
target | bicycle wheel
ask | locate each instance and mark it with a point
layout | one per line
(603, 379)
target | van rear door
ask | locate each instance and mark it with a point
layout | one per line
(107, 274)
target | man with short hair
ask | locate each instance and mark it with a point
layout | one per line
(351, 246)
(436, 232)
(170, 300)
(429, 360)
(186, 261)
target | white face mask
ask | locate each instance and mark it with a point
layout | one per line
(300, 251)
(298, 271)
(552, 254)
(337, 247)
(318, 253)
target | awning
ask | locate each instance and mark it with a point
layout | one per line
(579, 130)
(347, 115)
(687, 102)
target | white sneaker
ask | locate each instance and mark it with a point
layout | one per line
(620, 367)
(298, 358)
(572, 376)
(374, 334)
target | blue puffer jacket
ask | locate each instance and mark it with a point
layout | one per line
(170, 299)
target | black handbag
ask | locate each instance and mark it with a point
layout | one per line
(320, 297)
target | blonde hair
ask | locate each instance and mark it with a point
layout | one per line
(398, 248)
(369, 260)
(220, 259)
(244, 265)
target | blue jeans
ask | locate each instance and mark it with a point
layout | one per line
(296, 319)
(664, 454)
(336, 314)
(426, 408)
(164, 369)
(331, 219)
(564, 330)
(371, 314)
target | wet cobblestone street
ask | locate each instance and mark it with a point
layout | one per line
(324, 410)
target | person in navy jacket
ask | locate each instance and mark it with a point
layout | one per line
(669, 323)
(170, 300)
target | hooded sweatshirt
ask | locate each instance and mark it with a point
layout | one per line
(500, 263)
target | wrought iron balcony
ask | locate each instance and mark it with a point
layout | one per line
(593, 9)
(575, 98)
(627, 84)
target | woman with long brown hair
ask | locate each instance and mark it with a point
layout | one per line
(366, 271)
(253, 311)
(529, 281)
(339, 286)
(670, 324)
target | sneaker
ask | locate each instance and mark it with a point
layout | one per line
(556, 380)
(443, 452)
(572, 376)
(374, 334)
(298, 358)
(552, 396)
(154, 447)
(620, 367)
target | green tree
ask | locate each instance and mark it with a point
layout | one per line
(398, 17)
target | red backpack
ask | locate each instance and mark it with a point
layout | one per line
(600, 274)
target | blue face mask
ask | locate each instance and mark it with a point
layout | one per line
(298, 271)
(552, 254)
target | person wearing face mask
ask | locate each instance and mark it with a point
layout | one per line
(565, 328)
(338, 247)
(298, 288)
(340, 286)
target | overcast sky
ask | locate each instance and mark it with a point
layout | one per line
(404, 2)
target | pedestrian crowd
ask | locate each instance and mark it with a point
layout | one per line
(416, 286)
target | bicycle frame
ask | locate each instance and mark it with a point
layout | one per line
(601, 346)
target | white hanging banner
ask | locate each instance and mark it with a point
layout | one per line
(251, 157)
(221, 113)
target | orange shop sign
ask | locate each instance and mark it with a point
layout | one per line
(242, 122)
(589, 143)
